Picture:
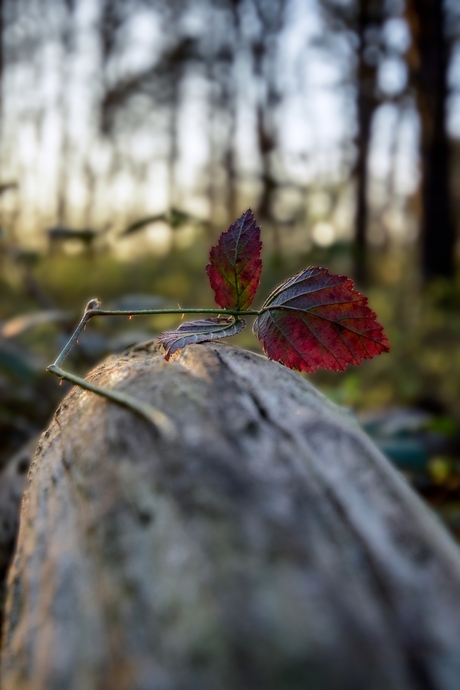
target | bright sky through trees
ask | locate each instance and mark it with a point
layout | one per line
(69, 172)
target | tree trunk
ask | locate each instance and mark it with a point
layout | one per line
(269, 546)
(12, 479)
(429, 60)
(369, 17)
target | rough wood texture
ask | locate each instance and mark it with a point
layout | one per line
(271, 547)
(12, 478)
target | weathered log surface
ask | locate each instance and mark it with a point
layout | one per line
(271, 547)
(12, 478)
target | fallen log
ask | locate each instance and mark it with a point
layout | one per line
(269, 545)
(12, 479)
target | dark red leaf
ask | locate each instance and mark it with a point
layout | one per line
(200, 332)
(316, 319)
(235, 264)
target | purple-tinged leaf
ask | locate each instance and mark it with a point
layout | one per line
(200, 332)
(316, 319)
(235, 264)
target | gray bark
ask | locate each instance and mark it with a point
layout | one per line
(12, 478)
(270, 547)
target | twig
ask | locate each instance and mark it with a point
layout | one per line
(158, 419)
(163, 424)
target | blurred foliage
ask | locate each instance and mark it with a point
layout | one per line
(407, 400)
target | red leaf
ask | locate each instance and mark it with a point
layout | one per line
(316, 319)
(235, 264)
(200, 332)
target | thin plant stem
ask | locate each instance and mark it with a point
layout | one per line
(162, 423)
(146, 312)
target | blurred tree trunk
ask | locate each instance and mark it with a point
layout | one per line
(68, 29)
(221, 75)
(271, 17)
(2, 9)
(368, 23)
(428, 60)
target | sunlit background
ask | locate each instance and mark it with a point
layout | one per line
(134, 132)
(115, 111)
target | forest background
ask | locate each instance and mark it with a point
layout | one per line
(134, 131)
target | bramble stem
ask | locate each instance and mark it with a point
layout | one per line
(164, 425)
(71, 342)
(145, 312)
(93, 308)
